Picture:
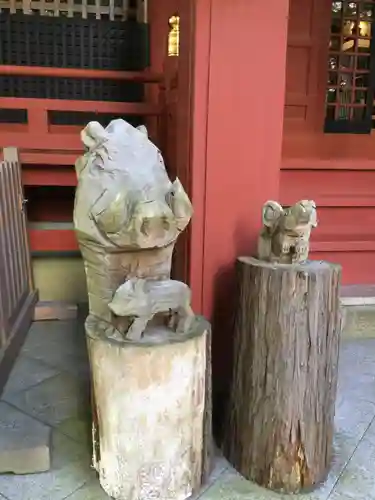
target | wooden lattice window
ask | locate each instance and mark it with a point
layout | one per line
(114, 10)
(351, 65)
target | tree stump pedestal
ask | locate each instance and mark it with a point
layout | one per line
(279, 430)
(152, 411)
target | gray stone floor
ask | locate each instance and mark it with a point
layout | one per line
(48, 388)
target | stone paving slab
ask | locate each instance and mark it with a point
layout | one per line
(69, 471)
(60, 344)
(27, 373)
(53, 401)
(90, 491)
(358, 479)
(24, 442)
(232, 486)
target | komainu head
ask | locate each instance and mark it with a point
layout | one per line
(124, 197)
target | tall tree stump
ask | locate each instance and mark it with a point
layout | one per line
(152, 411)
(280, 424)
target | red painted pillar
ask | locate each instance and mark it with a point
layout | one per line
(244, 130)
(243, 100)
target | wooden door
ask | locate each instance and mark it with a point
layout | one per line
(337, 170)
(17, 293)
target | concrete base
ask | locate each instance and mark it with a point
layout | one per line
(60, 279)
(358, 302)
(359, 322)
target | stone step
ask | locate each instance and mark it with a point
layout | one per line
(359, 311)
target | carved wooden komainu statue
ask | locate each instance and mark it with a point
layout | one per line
(128, 216)
(143, 299)
(286, 233)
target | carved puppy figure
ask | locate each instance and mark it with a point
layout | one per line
(286, 233)
(144, 298)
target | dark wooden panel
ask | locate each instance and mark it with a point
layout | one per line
(308, 33)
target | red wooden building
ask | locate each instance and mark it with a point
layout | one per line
(266, 99)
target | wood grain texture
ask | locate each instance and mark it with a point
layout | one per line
(152, 405)
(280, 422)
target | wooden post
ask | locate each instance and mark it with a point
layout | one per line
(152, 406)
(281, 416)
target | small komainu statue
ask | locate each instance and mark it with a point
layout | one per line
(128, 216)
(142, 299)
(285, 236)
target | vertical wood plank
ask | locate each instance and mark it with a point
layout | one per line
(56, 8)
(125, 9)
(12, 154)
(142, 11)
(4, 269)
(7, 234)
(112, 10)
(70, 8)
(84, 9)
(15, 208)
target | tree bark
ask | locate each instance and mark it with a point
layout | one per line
(280, 422)
(152, 412)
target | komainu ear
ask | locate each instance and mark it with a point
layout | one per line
(143, 129)
(272, 211)
(310, 207)
(92, 135)
(314, 215)
(180, 204)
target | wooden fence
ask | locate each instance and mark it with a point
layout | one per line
(17, 294)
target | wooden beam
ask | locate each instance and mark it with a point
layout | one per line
(50, 240)
(48, 177)
(92, 74)
(40, 137)
(42, 105)
(348, 245)
(49, 311)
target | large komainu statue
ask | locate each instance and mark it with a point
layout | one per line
(127, 216)
(149, 354)
(286, 232)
